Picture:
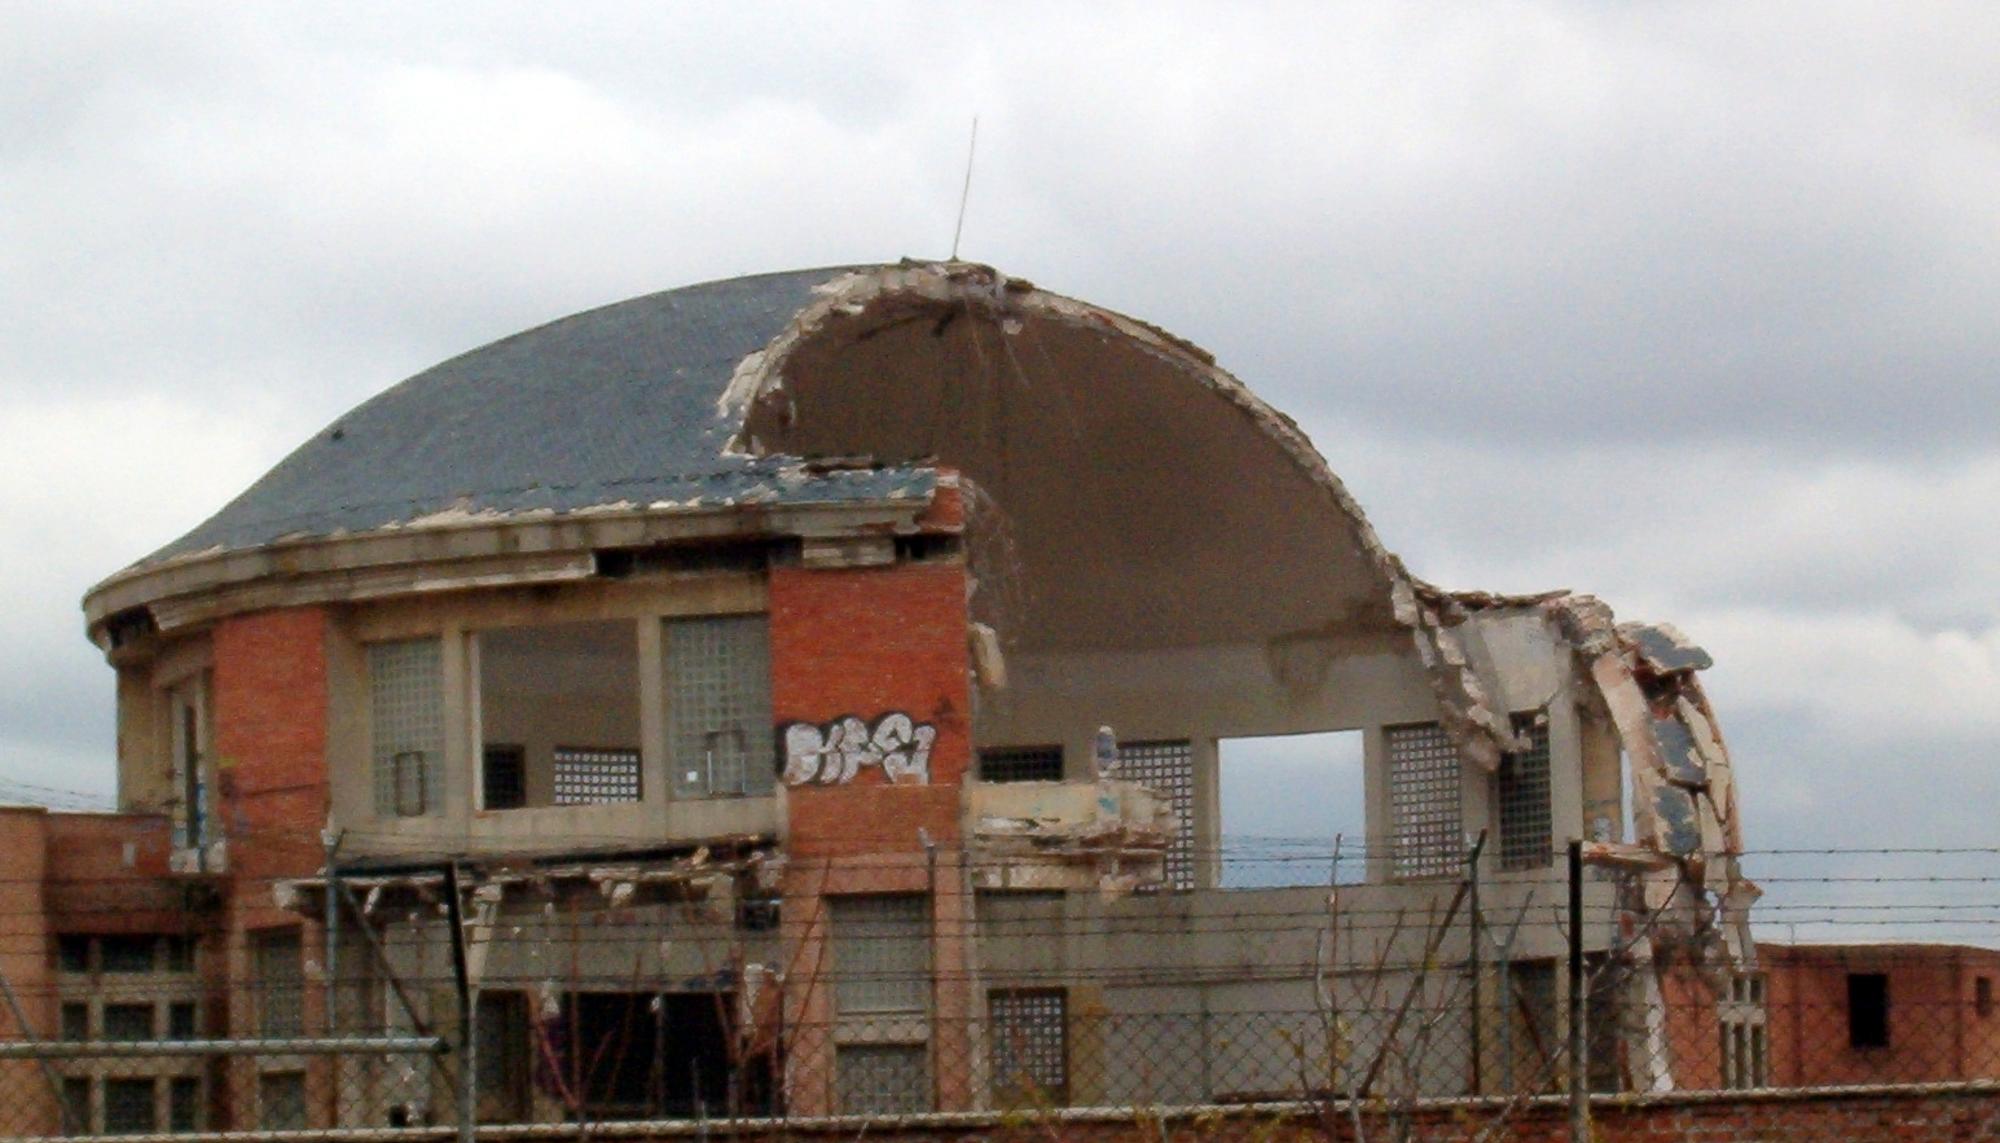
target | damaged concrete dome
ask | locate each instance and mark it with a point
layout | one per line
(770, 569)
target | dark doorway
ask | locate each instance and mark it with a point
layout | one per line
(666, 1055)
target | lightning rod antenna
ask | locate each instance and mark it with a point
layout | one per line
(965, 192)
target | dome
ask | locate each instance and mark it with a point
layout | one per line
(615, 405)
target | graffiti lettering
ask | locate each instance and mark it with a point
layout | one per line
(831, 755)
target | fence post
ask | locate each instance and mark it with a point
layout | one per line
(468, 1056)
(1579, 1065)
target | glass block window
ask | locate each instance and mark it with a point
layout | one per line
(504, 778)
(1021, 764)
(1427, 831)
(184, 1104)
(128, 1107)
(281, 1101)
(128, 1021)
(1521, 798)
(406, 709)
(718, 682)
(280, 982)
(883, 1079)
(587, 776)
(1030, 1045)
(1167, 767)
(881, 954)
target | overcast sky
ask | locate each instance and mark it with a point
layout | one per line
(1691, 306)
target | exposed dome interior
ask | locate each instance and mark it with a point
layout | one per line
(1127, 494)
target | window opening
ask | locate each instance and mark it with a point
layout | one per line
(1426, 818)
(75, 1021)
(1744, 1030)
(1534, 1024)
(504, 778)
(181, 1020)
(1982, 996)
(881, 953)
(128, 1107)
(1167, 767)
(1521, 793)
(567, 696)
(126, 954)
(406, 709)
(73, 953)
(1868, 1009)
(1284, 798)
(503, 1073)
(187, 726)
(128, 1021)
(1030, 1046)
(653, 1055)
(76, 1097)
(718, 682)
(184, 1104)
(1021, 764)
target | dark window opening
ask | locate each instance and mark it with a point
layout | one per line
(757, 913)
(1868, 1009)
(639, 1055)
(126, 954)
(76, 1104)
(128, 1107)
(504, 778)
(918, 548)
(181, 1020)
(76, 1021)
(1021, 764)
(1982, 996)
(184, 1104)
(503, 1057)
(73, 953)
(128, 1021)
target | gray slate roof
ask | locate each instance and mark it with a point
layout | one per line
(612, 404)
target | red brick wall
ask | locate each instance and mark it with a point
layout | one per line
(92, 887)
(866, 642)
(270, 713)
(24, 957)
(1935, 1029)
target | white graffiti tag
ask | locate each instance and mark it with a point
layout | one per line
(832, 755)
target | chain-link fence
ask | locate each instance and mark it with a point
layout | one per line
(571, 1006)
(593, 1057)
